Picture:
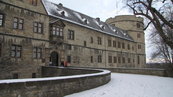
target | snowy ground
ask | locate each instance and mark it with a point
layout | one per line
(130, 85)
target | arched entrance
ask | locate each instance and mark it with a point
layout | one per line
(54, 58)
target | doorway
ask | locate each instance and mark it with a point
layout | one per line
(54, 59)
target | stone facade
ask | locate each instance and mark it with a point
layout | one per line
(30, 38)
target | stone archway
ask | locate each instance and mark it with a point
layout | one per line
(54, 58)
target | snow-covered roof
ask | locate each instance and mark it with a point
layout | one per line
(66, 14)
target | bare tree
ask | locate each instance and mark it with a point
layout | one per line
(155, 11)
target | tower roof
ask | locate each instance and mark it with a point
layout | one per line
(66, 14)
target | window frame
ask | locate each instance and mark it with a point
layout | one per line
(34, 2)
(110, 59)
(2, 19)
(71, 34)
(57, 31)
(99, 59)
(109, 43)
(37, 28)
(17, 24)
(17, 50)
(37, 53)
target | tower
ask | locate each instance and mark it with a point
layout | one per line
(134, 27)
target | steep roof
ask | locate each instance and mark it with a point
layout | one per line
(66, 14)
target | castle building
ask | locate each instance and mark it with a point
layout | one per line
(36, 33)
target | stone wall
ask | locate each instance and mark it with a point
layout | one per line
(53, 87)
(144, 71)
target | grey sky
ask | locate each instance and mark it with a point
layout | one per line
(96, 8)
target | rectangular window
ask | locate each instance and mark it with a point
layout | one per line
(92, 40)
(119, 45)
(15, 76)
(114, 44)
(119, 59)
(138, 59)
(109, 43)
(110, 59)
(34, 75)
(57, 31)
(69, 47)
(115, 59)
(69, 59)
(139, 46)
(37, 53)
(16, 51)
(91, 59)
(18, 23)
(124, 60)
(99, 40)
(85, 44)
(33, 2)
(99, 59)
(138, 35)
(38, 27)
(128, 46)
(123, 45)
(0, 49)
(70, 34)
(1, 19)
(129, 60)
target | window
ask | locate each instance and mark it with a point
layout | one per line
(138, 60)
(115, 59)
(138, 35)
(124, 60)
(110, 59)
(85, 44)
(119, 59)
(92, 40)
(37, 53)
(15, 76)
(129, 60)
(128, 46)
(70, 34)
(91, 59)
(99, 39)
(69, 59)
(0, 49)
(99, 59)
(34, 75)
(16, 51)
(33, 2)
(138, 25)
(123, 45)
(69, 47)
(139, 46)
(18, 23)
(37, 27)
(114, 43)
(57, 31)
(1, 20)
(119, 45)
(109, 43)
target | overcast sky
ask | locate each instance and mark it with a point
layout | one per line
(96, 8)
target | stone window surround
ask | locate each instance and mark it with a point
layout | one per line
(38, 27)
(18, 23)
(71, 35)
(99, 40)
(37, 53)
(99, 59)
(34, 2)
(110, 59)
(2, 19)
(16, 51)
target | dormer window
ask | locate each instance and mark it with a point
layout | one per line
(34, 2)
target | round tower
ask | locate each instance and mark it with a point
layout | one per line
(134, 27)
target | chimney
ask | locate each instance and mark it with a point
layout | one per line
(98, 19)
(60, 4)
